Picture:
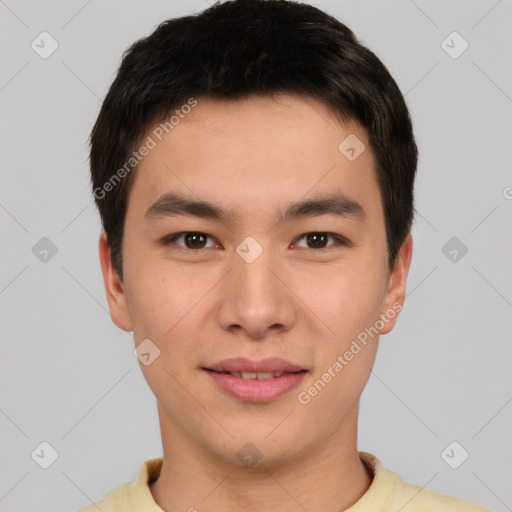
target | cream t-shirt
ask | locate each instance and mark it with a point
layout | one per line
(387, 493)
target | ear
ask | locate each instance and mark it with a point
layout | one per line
(395, 295)
(114, 287)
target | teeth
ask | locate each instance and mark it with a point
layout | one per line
(257, 375)
(264, 375)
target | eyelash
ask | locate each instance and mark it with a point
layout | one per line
(340, 241)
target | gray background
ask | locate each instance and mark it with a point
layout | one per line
(68, 374)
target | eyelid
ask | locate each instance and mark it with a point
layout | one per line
(340, 241)
(169, 239)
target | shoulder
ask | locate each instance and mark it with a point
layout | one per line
(131, 496)
(115, 501)
(388, 492)
(419, 499)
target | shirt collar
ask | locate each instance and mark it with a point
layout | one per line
(380, 491)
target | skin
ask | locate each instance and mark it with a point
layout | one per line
(295, 301)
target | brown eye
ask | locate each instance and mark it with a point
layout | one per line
(319, 240)
(193, 240)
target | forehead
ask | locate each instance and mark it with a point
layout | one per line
(256, 153)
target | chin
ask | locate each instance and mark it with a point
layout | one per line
(257, 449)
(253, 455)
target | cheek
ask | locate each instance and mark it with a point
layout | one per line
(346, 299)
(348, 302)
(350, 306)
(161, 306)
(157, 303)
(171, 306)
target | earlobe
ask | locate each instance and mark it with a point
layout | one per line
(114, 287)
(395, 296)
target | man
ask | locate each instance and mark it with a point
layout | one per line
(254, 169)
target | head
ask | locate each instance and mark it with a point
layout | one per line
(253, 166)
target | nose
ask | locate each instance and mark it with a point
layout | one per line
(255, 298)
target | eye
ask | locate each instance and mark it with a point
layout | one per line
(318, 240)
(194, 240)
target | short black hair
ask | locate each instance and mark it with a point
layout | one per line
(242, 48)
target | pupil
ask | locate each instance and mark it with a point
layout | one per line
(196, 240)
(314, 238)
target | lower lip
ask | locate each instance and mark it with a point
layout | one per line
(254, 390)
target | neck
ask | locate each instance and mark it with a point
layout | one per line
(329, 478)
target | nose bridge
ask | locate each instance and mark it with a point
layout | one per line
(255, 284)
(254, 299)
(255, 274)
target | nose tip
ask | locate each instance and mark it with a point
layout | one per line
(255, 329)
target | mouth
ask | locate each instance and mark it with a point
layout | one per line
(256, 382)
(255, 375)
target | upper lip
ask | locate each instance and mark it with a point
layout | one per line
(241, 364)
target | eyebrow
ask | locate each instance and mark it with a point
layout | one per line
(174, 204)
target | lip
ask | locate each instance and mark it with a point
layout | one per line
(241, 364)
(255, 390)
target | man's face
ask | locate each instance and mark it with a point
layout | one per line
(257, 284)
